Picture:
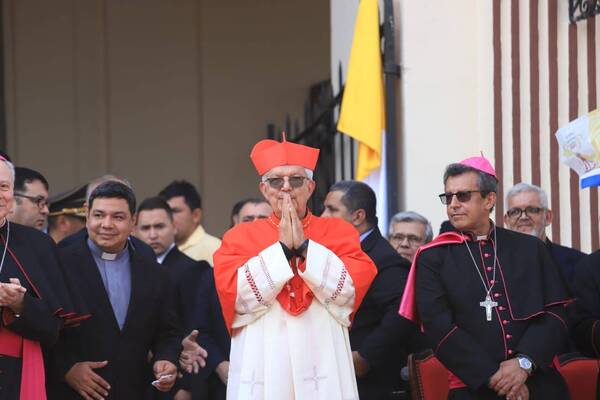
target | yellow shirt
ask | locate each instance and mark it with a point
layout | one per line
(200, 245)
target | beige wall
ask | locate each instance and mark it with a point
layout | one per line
(440, 103)
(156, 90)
(261, 56)
(437, 98)
(447, 98)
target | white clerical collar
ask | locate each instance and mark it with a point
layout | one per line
(162, 257)
(106, 256)
(473, 236)
(109, 256)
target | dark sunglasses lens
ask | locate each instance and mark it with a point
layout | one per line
(463, 196)
(296, 181)
(276, 183)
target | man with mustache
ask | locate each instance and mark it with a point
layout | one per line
(490, 300)
(528, 212)
(289, 286)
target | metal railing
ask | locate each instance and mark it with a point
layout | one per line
(319, 130)
(337, 159)
(582, 9)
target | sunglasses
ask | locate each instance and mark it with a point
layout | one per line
(463, 196)
(294, 181)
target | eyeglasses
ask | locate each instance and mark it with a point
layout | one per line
(463, 196)
(39, 201)
(515, 213)
(413, 240)
(294, 181)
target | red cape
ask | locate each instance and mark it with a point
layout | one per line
(246, 240)
(408, 305)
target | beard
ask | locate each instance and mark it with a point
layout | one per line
(533, 232)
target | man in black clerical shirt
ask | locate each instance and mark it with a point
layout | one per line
(491, 301)
(129, 299)
(379, 336)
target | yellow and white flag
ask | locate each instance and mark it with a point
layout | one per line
(362, 114)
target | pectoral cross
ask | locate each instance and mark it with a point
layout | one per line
(488, 304)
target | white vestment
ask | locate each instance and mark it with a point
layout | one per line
(278, 356)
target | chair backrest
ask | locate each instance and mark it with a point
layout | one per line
(581, 375)
(427, 377)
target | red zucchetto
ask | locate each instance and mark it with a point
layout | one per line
(268, 154)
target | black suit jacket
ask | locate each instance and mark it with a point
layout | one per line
(207, 318)
(378, 333)
(185, 275)
(151, 324)
(198, 305)
(586, 287)
(566, 258)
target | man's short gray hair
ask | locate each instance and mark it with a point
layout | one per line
(309, 175)
(411, 216)
(524, 188)
(11, 168)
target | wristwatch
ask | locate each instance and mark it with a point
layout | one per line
(525, 363)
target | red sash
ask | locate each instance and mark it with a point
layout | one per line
(33, 379)
(408, 305)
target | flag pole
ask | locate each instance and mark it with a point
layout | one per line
(392, 73)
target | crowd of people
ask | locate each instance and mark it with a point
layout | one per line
(105, 297)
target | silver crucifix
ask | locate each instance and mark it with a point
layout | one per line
(488, 304)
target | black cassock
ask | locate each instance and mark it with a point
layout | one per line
(529, 317)
(32, 258)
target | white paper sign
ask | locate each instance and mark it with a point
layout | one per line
(579, 147)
